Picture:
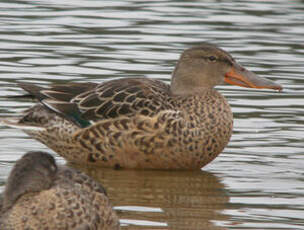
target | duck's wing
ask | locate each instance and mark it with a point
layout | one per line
(87, 103)
(125, 97)
(58, 98)
(59, 92)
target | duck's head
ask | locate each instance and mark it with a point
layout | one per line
(206, 66)
(34, 172)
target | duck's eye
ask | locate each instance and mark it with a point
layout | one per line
(212, 58)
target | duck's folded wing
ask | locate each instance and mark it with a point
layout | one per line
(84, 103)
(124, 97)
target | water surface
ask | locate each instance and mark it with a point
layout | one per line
(256, 183)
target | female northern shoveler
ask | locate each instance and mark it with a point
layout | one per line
(140, 122)
(40, 195)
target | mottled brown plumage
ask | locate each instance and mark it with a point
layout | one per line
(140, 122)
(38, 196)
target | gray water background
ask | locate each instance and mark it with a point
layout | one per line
(257, 182)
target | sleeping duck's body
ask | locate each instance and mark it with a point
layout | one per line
(41, 195)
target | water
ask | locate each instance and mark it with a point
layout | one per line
(257, 182)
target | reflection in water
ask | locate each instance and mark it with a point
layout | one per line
(163, 199)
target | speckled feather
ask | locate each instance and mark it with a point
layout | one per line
(123, 97)
(73, 201)
(137, 123)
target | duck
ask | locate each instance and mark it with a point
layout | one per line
(39, 194)
(138, 122)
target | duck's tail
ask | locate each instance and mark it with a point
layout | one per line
(14, 123)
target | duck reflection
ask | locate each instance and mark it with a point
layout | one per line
(163, 199)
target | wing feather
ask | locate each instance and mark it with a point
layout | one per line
(83, 103)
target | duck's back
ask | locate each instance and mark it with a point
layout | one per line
(124, 97)
(89, 103)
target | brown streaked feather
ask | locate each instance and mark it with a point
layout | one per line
(67, 110)
(82, 103)
(56, 95)
(33, 90)
(124, 97)
(58, 92)
(73, 89)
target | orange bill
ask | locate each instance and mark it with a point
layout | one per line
(245, 78)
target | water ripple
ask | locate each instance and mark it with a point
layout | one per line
(256, 183)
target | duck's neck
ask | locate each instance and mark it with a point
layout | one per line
(186, 82)
(180, 88)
